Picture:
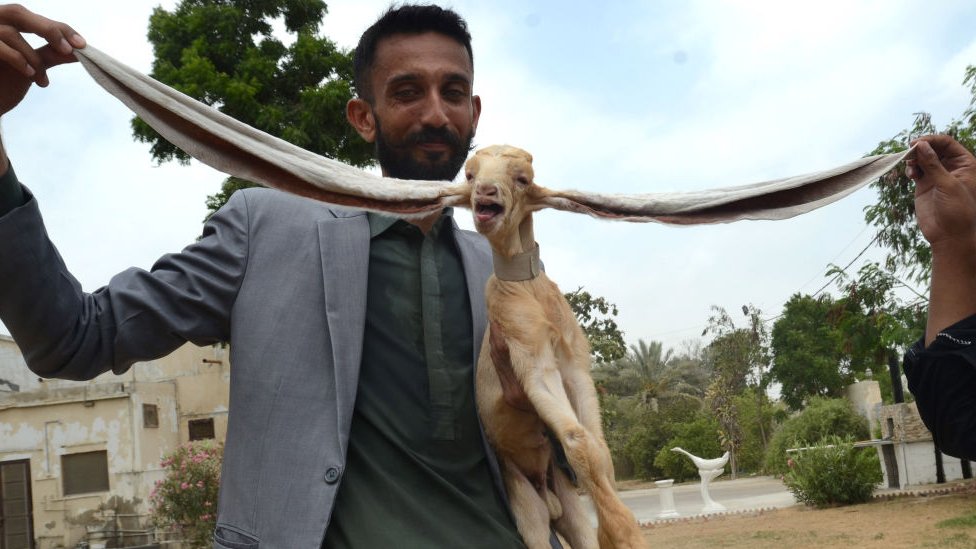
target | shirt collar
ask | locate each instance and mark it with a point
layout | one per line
(379, 223)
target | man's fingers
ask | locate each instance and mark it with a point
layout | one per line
(927, 160)
(16, 52)
(58, 35)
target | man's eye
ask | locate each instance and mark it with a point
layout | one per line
(455, 94)
(407, 93)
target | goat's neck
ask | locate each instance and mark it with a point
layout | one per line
(517, 258)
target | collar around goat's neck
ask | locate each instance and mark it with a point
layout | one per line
(521, 266)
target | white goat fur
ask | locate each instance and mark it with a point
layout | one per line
(550, 357)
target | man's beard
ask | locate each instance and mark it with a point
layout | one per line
(397, 160)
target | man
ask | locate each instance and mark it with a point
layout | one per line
(941, 369)
(354, 336)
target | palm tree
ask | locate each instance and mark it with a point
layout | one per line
(660, 375)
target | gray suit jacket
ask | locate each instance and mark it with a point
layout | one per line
(284, 280)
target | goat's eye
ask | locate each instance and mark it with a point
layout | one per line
(522, 180)
(469, 176)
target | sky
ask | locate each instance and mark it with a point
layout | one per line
(629, 97)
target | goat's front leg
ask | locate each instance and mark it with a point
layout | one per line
(542, 382)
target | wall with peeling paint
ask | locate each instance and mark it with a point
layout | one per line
(45, 420)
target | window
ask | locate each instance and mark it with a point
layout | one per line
(85, 472)
(150, 416)
(201, 429)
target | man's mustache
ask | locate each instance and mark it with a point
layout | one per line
(435, 135)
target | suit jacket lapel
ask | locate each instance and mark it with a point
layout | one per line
(344, 243)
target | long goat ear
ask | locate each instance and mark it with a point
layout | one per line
(237, 149)
(777, 199)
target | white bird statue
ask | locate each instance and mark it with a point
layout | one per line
(708, 469)
(705, 464)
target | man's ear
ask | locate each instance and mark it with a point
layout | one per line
(360, 116)
(476, 112)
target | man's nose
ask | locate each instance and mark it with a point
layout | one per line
(435, 112)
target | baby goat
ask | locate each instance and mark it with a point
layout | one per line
(550, 357)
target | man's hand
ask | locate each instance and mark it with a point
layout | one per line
(945, 206)
(20, 64)
(945, 190)
(511, 388)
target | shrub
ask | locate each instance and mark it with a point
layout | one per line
(833, 473)
(700, 437)
(186, 499)
(821, 418)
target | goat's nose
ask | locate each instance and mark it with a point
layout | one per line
(487, 190)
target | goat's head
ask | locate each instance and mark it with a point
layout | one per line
(503, 192)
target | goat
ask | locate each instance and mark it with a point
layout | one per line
(550, 357)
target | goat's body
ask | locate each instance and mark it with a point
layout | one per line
(550, 357)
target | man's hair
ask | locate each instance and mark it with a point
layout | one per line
(406, 19)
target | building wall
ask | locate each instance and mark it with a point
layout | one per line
(865, 396)
(49, 419)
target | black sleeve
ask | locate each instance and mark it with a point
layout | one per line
(11, 193)
(943, 379)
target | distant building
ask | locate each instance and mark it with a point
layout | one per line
(78, 460)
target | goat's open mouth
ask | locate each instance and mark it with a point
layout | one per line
(485, 211)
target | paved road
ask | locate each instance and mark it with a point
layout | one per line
(736, 495)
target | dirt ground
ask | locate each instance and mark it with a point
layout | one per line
(903, 522)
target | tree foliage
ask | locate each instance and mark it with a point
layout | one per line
(821, 417)
(806, 347)
(227, 53)
(739, 358)
(597, 316)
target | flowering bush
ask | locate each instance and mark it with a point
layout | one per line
(186, 500)
(833, 473)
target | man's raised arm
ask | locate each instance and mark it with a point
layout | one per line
(942, 371)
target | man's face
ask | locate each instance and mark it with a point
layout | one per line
(423, 114)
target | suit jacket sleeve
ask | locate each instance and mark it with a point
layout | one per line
(140, 315)
(942, 378)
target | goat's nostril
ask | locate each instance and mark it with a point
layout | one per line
(487, 190)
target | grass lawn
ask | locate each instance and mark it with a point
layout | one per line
(904, 522)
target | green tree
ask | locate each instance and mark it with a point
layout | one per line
(757, 418)
(597, 316)
(739, 358)
(806, 348)
(879, 316)
(225, 53)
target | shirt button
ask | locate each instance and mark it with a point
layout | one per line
(332, 475)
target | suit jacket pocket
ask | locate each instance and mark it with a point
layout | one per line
(227, 537)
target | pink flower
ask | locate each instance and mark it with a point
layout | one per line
(790, 463)
(184, 486)
(199, 484)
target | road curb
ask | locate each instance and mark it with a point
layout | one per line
(755, 512)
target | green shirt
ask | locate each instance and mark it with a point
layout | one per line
(416, 474)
